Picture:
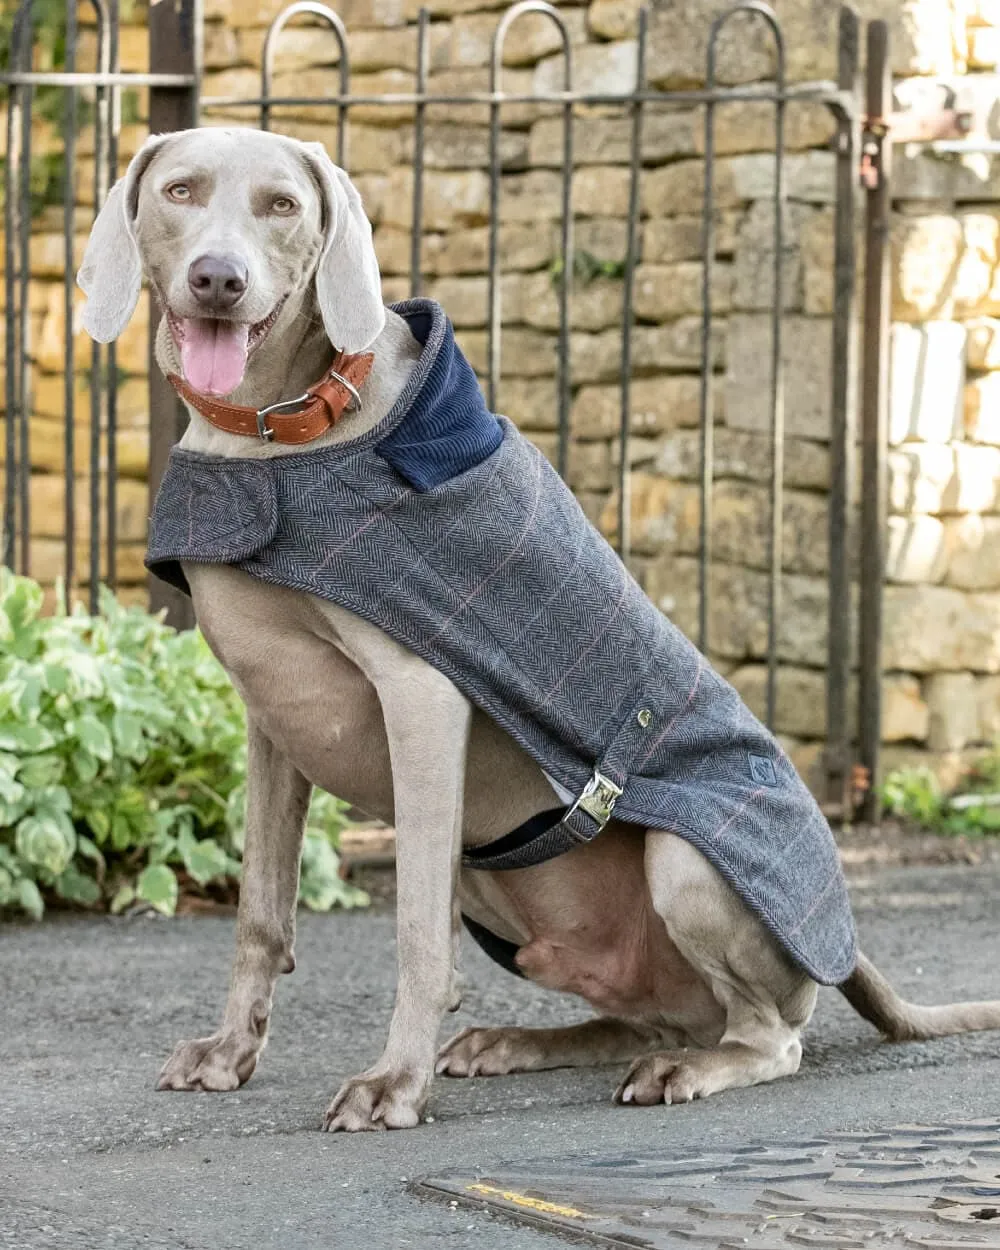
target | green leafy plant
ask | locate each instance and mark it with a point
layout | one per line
(588, 268)
(915, 795)
(123, 764)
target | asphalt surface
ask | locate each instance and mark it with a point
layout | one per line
(92, 1157)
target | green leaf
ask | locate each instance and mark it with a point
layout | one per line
(44, 842)
(74, 887)
(204, 860)
(41, 770)
(26, 738)
(30, 899)
(94, 737)
(126, 730)
(157, 885)
(86, 766)
(124, 897)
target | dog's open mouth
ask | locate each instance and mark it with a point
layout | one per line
(214, 353)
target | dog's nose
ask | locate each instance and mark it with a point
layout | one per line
(217, 282)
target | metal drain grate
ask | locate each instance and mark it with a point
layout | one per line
(910, 1186)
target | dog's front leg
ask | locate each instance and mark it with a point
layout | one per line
(427, 723)
(277, 805)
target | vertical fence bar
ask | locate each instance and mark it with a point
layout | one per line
(777, 388)
(874, 410)
(706, 399)
(566, 275)
(23, 311)
(111, 391)
(69, 375)
(843, 426)
(17, 217)
(493, 310)
(628, 316)
(417, 226)
(175, 32)
(97, 354)
(333, 22)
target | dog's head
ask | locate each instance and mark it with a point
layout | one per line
(230, 226)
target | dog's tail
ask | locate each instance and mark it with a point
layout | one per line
(872, 997)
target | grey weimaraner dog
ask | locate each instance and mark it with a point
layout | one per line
(259, 250)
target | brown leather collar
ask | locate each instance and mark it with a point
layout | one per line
(293, 420)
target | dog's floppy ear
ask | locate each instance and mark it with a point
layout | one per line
(348, 283)
(111, 273)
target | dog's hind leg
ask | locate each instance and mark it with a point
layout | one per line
(427, 723)
(277, 805)
(767, 1000)
(497, 1052)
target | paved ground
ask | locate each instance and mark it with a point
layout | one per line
(92, 1157)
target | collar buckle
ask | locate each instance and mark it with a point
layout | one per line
(264, 431)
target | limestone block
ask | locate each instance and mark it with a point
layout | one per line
(922, 175)
(447, 8)
(988, 707)
(954, 711)
(374, 190)
(530, 38)
(973, 551)
(984, 47)
(452, 198)
(928, 376)
(49, 347)
(934, 628)
(921, 477)
(658, 404)
(741, 454)
(921, 40)
(48, 447)
(983, 344)
(800, 704)
(601, 191)
(459, 147)
(663, 514)
(753, 267)
(466, 251)
(678, 189)
(905, 714)
(668, 239)
(982, 409)
(47, 556)
(749, 127)
(221, 47)
(926, 256)
(676, 345)
(534, 299)
(48, 398)
(809, 176)
(47, 255)
(807, 364)
(614, 19)
(48, 496)
(534, 196)
(598, 68)
(663, 292)
(603, 238)
(465, 299)
(469, 79)
(977, 479)
(817, 249)
(530, 402)
(915, 549)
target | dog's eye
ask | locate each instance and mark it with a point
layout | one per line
(179, 191)
(283, 206)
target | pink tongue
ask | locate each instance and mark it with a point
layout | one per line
(214, 354)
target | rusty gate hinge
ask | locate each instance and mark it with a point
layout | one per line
(910, 126)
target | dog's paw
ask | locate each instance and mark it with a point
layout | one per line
(373, 1101)
(669, 1076)
(489, 1052)
(217, 1063)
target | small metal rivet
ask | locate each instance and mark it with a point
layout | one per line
(644, 717)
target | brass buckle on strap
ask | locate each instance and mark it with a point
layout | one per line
(597, 799)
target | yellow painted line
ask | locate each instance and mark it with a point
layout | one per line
(533, 1204)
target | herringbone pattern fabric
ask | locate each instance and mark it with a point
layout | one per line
(496, 578)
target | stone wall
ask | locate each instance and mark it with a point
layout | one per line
(943, 597)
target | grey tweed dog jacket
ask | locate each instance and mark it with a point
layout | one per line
(450, 531)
